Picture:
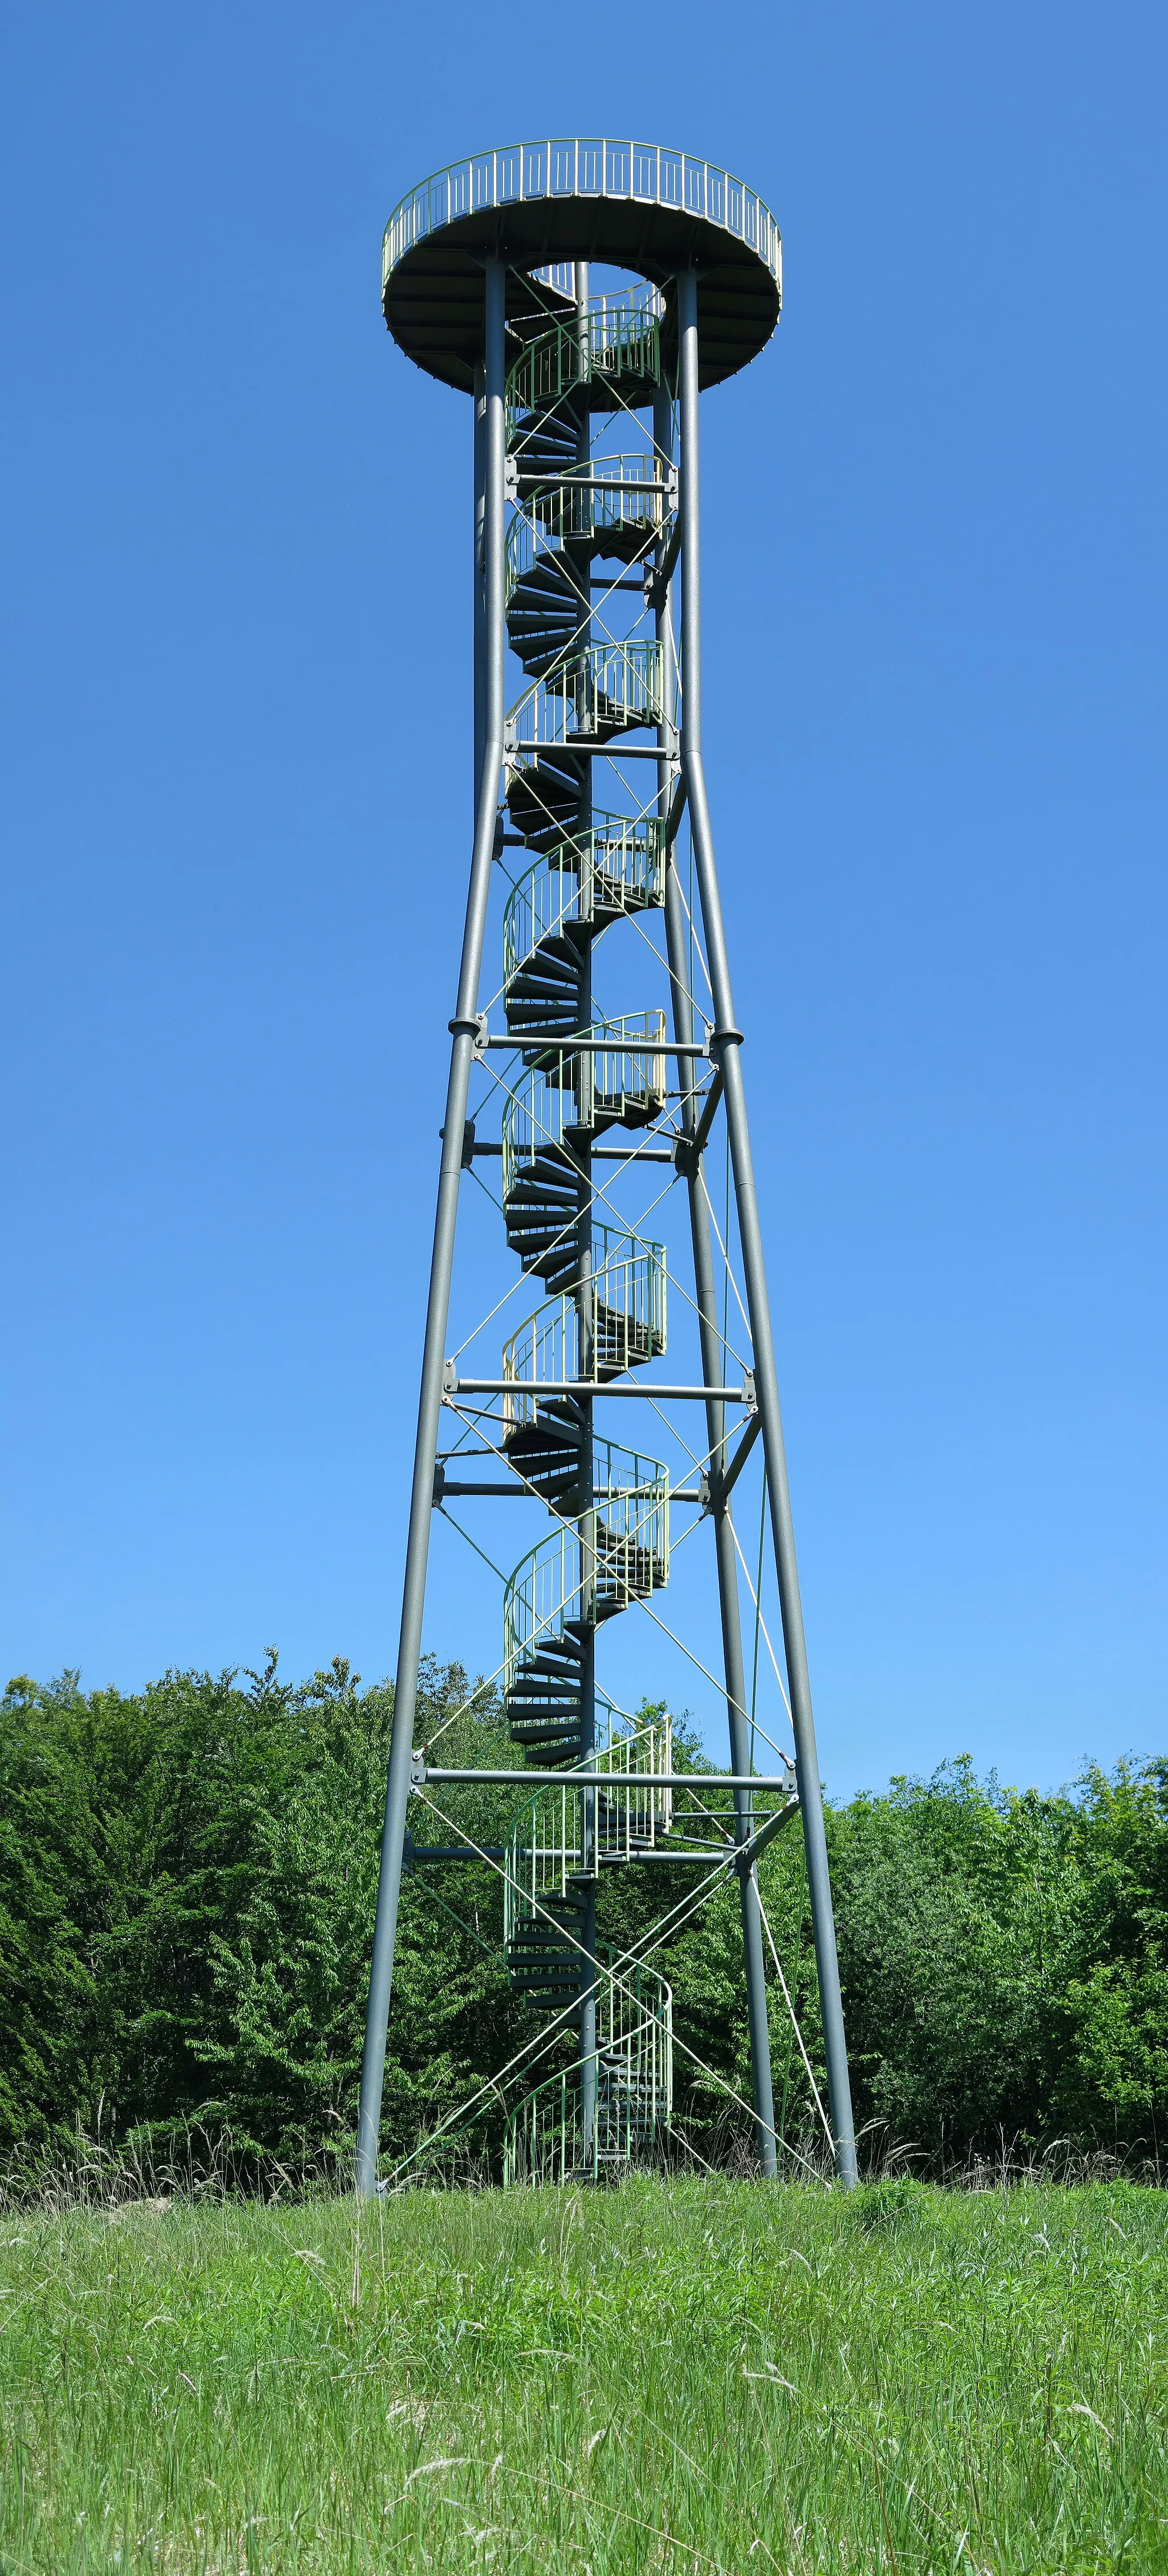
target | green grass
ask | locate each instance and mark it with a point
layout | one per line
(671, 2376)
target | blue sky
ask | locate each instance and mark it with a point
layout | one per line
(236, 801)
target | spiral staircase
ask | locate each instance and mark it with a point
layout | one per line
(547, 1872)
(580, 1077)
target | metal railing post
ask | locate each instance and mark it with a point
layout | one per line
(726, 1043)
(464, 1029)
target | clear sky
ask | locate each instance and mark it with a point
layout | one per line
(236, 804)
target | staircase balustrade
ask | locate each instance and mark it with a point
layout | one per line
(622, 338)
(622, 498)
(623, 1325)
(602, 690)
(611, 866)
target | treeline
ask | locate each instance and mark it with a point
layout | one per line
(187, 1883)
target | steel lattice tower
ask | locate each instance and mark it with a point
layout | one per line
(595, 772)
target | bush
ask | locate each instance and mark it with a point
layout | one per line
(187, 1888)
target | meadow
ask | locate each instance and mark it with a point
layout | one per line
(669, 2375)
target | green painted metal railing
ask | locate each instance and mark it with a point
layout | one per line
(624, 1080)
(648, 174)
(545, 2139)
(622, 497)
(545, 1851)
(615, 866)
(618, 1553)
(612, 866)
(600, 690)
(617, 336)
(623, 1324)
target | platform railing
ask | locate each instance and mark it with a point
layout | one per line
(648, 174)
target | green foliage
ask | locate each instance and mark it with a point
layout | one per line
(1005, 1958)
(53, 1899)
(670, 2376)
(187, 1887)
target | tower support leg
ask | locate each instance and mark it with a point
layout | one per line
(726, 1043)
(713, 1373)
(588, 1966)
(464, 1029)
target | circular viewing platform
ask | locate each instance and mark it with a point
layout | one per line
(629, 205)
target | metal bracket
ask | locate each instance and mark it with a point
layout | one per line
(450, 1377)
(658, 576)
(469, 1147)
(726, 1480)
(418, 1768)
(480, 1049)
(749, 1852)
(706, 1490)
(689, 1149)
(439, 1484)
(749, 1397)
(510, 479)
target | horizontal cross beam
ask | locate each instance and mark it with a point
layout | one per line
(424, 1777)
(616, 749)
(596, 1386)
(572, 1045)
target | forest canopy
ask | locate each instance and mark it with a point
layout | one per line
(187, 1885)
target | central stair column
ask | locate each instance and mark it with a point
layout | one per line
(581, 561)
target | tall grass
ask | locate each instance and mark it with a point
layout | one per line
(680, 2376)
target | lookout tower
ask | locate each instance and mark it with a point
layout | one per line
(584, 294)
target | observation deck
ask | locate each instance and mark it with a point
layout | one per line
(631, 205)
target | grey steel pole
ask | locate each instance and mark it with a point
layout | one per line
(464, 1030)
(479, 571)
(726, 1043)
(713, 1370)
(584, 1306)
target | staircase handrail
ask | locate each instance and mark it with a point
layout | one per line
(623, 337)
(621, 1076)
(627, 1280)
(598, 690)
(544, 1849)
(619, 1551)
(615, 851)
(565, 505)
(650, 2069)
